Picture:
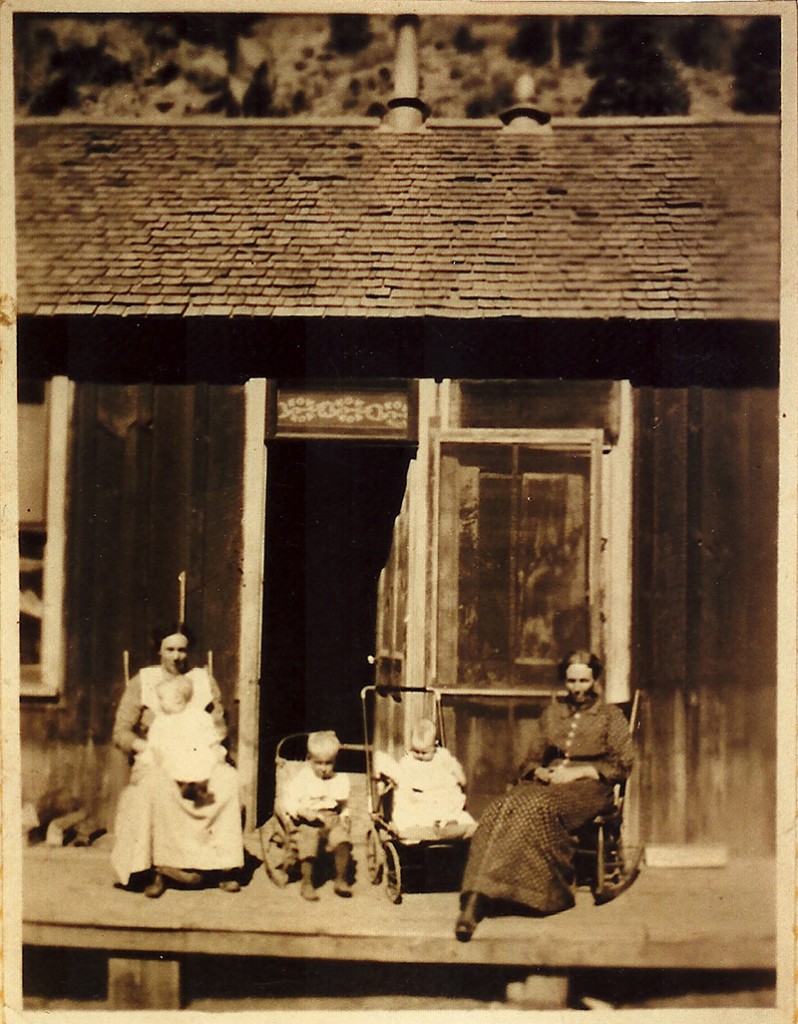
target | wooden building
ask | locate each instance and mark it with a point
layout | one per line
(492, 389)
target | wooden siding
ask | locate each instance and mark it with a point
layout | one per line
(705, 609)
(155, 487)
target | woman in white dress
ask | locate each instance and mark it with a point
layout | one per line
(158, 831)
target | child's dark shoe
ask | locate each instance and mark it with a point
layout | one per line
(343, 888)
(307, 891)
(306, 888)
(343, 867)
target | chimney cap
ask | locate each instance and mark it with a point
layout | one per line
(406, 19)
(540, 117)
(410, 101)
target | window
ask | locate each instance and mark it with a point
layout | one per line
(43, 410)
(519, 538)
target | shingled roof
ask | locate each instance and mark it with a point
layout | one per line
(606, 218)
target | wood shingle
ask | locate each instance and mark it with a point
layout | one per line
(607, 218)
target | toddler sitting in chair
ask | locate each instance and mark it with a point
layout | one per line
(184, 742)
(430, 787)
(316, 802)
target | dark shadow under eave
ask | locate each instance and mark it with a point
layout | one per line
(661, 353)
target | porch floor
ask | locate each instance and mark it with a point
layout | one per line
(686, 918)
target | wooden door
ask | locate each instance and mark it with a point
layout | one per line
(390, 657)
(520, 572)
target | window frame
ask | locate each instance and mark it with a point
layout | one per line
(46, 680)
(609, 534)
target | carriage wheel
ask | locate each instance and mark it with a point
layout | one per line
(375, 858)
(275, 854)
(393, 873)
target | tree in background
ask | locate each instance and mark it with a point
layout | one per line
(221, 31)
(757, 68)
(633, 75)
(532, 42)
(570, 37)
(180, 65)
(349, 33)
(257, 101)
(464, 41)
(73, 68)
(701, 42)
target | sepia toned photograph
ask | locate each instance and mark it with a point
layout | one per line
(402, 489)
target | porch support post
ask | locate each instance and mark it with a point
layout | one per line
(616, 528)
(143, 983)
(254, 533)
(540, 992)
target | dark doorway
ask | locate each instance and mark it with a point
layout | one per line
(330, 509)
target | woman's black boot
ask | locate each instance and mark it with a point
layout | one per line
(471, 914)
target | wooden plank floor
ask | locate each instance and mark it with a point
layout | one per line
(721, 918)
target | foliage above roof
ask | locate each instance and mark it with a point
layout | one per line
(608, 218)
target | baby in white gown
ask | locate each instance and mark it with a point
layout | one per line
(429, 786)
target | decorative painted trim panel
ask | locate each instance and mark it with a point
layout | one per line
(383, 414)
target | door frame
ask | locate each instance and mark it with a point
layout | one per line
(436, 413)
(253, 524)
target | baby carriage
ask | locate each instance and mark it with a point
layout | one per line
(423, 857)
(279, 856)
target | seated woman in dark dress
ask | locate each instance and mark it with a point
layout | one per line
(522, 852)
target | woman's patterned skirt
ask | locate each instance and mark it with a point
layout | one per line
(522, 850)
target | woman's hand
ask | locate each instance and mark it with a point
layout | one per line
(308, 813)
(564, 773)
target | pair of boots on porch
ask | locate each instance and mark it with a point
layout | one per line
(342, 885)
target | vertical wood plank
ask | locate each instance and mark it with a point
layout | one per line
(81, 592)
(448, 560)
(223, 540)
(114, 414)
(170, 537)
(136, 983)
(196, 582)
(140, 496)
(660, 582)
(696, 719)
(762, 414)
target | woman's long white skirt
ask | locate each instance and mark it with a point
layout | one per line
(155, 825)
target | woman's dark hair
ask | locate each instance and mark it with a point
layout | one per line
(159, 635)
(581, 658)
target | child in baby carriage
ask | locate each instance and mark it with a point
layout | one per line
(429, 783)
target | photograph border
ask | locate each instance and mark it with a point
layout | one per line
(787, 599)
